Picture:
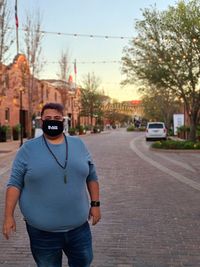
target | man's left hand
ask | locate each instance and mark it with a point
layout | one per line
(95, 215)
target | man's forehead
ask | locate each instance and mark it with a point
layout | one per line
(48, 112)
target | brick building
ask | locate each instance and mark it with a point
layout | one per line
(15, 96)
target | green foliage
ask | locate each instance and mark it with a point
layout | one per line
(16, 128)
(80, 129)
(172, 144)
(142, 129)
(88, 127)
(165, 55)
(130, 128)
(96, 129)
(170, 132)
(16, 131)
(183, 128)
(198, 131)
(115, 117)
(3, 132)
(4, 128)
(159, 104)
(91, 98)
(72, 131)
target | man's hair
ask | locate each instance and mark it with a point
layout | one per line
(55, 106)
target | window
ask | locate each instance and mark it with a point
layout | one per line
(7, 114)
(156, 125)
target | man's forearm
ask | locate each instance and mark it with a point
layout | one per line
(93, 189)
(12, 196)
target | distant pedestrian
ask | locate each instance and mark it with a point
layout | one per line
(51, 177)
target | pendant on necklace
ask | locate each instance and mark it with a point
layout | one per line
(65, 178)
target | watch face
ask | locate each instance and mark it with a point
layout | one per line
(95, 203)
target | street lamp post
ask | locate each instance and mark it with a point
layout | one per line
(21, 117)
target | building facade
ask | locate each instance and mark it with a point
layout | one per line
(22, 96)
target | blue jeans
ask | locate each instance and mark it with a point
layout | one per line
(47, 247)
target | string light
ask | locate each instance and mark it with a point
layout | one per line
(82, 35)
(87, 62)
(91, 36)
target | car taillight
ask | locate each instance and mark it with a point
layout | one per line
(165, 130)
(147, 130)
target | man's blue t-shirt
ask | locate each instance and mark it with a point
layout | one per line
(46, 201)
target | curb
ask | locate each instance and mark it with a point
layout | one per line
(196, 151)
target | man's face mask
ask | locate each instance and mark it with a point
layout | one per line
(52, 127)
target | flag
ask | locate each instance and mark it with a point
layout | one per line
(16, 17)
(70, 79)
(75, 69)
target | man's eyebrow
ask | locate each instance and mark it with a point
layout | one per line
(56, 116)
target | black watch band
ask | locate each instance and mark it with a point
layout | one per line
(95, 203)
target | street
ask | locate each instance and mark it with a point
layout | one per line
(149, 200)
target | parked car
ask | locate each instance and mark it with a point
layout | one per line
(156, 130)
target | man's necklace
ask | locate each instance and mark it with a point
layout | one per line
(66, 158)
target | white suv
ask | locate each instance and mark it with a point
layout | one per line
(156, 130)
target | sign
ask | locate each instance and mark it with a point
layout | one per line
(178, 120)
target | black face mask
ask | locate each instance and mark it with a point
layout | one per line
(52, 127)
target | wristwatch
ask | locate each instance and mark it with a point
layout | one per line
(95, 203)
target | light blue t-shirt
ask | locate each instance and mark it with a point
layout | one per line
(46, 201)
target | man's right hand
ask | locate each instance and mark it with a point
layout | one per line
(9, 226)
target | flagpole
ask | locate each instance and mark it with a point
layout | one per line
(75, 71)
(17, 25)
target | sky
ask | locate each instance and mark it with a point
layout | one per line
(90, 17)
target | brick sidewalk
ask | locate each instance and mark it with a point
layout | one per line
(149, 218)
(8, 147)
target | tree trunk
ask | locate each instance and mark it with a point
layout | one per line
(91, 120)
(192, 134)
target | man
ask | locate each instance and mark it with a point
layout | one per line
(51, 177)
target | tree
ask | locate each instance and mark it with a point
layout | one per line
(63, 75)
(166, 54)
(159, 105)
(64, 66)
(5, 41)
(5, 31)
(91, 98)
(32, 41)
(114, 117)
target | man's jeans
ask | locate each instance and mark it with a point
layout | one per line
(47, 247)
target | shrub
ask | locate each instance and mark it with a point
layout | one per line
(72, 131)
(16, 131)
(170, 132)
(130, 128)
(142, 129)
(88, 127)
(96, 129)
(183, 128)
(172, 144)
(101, 127)
(81, 129)
(198, 131)
(3, 133)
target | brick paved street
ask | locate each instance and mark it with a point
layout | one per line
(150, 206)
